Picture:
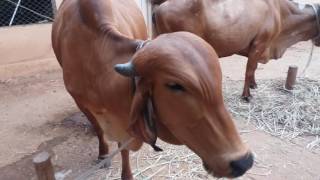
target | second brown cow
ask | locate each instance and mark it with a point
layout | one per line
(259, 29)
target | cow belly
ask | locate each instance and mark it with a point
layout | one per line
(113, 128)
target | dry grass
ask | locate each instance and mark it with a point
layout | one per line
(175, 162)
(276, 111)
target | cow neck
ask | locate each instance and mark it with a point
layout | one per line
(149, 121)
(316, 9)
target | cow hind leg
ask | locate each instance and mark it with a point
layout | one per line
(253, 83)
(126, 173)
(103, 146)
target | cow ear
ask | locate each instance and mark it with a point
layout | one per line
(142, 116)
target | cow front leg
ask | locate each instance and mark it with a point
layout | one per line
(249, 79)
(103, 146)
(126, 169)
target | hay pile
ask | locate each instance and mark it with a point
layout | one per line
(277, 111)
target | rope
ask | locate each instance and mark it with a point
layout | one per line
(308, 63)
(23, 7)
(105, 161)
(312, 48)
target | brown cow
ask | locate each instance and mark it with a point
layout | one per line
(177, 82)
(258, 29)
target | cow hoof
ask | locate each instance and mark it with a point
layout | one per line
(253, 86)
(247, 98)
(127, 177)
(106, 164)
(102, 157)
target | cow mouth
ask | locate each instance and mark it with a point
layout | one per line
(237, 167)
(212, 172)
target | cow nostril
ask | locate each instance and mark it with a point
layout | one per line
(240, 166)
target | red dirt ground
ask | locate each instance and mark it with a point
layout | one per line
(36, 114)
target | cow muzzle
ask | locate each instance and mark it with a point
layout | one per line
(242, 165)
(236, 167)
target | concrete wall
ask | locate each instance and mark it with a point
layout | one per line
(25, 43)
(33, 42)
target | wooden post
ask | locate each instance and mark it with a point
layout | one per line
(43, 166)
(291, 77)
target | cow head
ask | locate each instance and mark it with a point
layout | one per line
(179, 86)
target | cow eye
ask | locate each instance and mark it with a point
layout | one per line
(175, 87)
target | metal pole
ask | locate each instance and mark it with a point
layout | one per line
(15, 12)
(54, 8)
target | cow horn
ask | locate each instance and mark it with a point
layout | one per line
(126, 69)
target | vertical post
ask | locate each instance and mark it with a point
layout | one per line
(291, 77)
(149, 18)
(54, 8)
(14, 13)
(43, 166)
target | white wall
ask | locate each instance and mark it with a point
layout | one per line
(145, 7)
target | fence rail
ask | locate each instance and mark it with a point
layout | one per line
(22, 12)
